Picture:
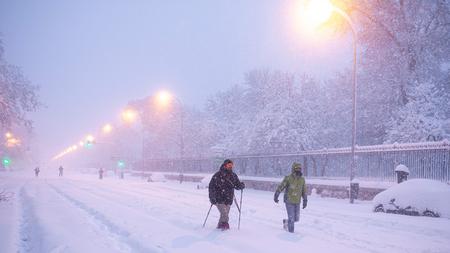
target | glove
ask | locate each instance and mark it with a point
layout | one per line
(305, 203)
(275, 197)
(242, 186)
(213, 201)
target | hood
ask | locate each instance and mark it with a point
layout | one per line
(296, 167)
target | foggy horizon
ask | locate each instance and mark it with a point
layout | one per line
(91, 59)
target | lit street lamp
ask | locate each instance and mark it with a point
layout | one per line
(12, 142)
(129, 116)
(90, 138)
(107, 129)
(317, 12)
(164, 98)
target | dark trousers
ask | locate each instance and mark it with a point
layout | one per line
(293, 212)
(224, 211)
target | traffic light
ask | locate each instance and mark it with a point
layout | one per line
(120, 164)
(88, 144)
(6, 161)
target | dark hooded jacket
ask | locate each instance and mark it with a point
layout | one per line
(222, 185)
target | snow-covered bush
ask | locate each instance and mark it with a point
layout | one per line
(418, 197)
(157, 177)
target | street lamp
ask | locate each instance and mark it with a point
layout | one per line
(89, 141)
(90, 138)
(164, 98)
(129, 115)
(107, 129)
(317, 12)
(8, 135)
(12, 142)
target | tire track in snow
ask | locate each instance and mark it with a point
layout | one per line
(119, 234)
(206, 236)
(29, 229)
(140, 201)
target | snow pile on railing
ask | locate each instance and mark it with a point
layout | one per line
(444, 144)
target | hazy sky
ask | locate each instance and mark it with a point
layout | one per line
(91, 57)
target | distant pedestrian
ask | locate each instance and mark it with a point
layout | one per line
(221, 191)
(100, 173)
(61, 170)
(36, 171)
(294, 187)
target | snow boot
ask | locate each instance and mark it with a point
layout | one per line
(285, 224)
(225, 226)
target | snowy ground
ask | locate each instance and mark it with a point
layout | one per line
(79, 213)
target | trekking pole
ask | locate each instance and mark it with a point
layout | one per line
(204, 223)
(240, 209)
(235, 201)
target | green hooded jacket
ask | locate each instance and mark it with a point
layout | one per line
(294, 187)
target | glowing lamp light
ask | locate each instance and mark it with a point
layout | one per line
(318, 12)
(12, 142)
(107, 128)
(129, 115)
(315, 13)
(90, 138)
(163, 98)
(8, 135)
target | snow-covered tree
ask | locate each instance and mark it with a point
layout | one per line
(17, 96)
(404, 61)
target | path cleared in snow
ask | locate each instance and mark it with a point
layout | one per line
(79, 213)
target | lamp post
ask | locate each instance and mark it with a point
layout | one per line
(164, 98)
(319, 11)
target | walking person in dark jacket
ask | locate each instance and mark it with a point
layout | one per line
(221, 191)
(100, 173)
(36, 171)
(294, 187)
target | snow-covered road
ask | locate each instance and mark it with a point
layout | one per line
(79, 213)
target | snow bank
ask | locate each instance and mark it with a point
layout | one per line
(420, 194)
(205, 182)
(157, 177)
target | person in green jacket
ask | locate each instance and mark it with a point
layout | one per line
(294, 187)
